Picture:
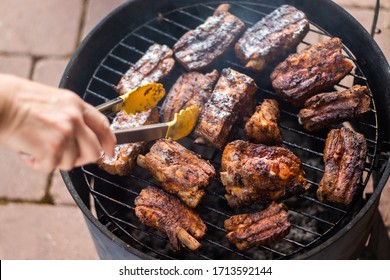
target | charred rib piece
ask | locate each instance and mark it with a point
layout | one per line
(344, 156)
(179, 170)
(274, 36)
(329, 108)
(259, 173)
(156, 64)
(190, 89)
(317, 68)
(200, 47)
(126, 154)
(263, 127)
(162, 211)
(259, 228)
(232, 98)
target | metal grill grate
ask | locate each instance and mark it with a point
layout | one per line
(312, 221)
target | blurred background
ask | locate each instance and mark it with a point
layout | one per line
(38, 217)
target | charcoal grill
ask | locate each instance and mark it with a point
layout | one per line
(319, 230)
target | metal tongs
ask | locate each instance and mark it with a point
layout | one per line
(142, 99)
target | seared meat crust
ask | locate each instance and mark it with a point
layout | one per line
(198, 48)
(329, 108)
(162, 211)
(258, 173)
(344, 156)
(232, 98)
(274, 36)
(126, 155)
(259, 228)
(317, 68)
(179, 170)
(190, 89)
(156, 64)
(263, 127)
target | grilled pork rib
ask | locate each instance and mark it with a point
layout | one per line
(258, 173)
(263, 127)
(274, 36)
(156, 64)
(126, 155)
(232, 98)
(179, 170)
(162, 211)
(259, 228)
(344, 156)
(190, 89)
(329, 108)
(199, 48)
(317, 68)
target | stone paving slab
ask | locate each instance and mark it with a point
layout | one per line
(96, 11)
(49, 71)
(45, 27)
(30, 231)
(17, 181)
(16, 65)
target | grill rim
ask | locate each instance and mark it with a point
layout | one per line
(69, 83)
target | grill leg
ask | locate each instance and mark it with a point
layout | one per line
(378, 247)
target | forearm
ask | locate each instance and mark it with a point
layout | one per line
(9, 88)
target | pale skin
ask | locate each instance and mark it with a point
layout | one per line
(50, 127)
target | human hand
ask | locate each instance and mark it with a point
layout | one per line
(54, 127)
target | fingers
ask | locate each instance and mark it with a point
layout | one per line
(99, 124)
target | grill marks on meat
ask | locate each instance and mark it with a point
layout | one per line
(232, 98)
(259, 228)
(190, 89)
(126, 155)
(329, 108)
(275, 35)
(200, 47)
(263, 127)
(258, 173)
(179, 170)
(156, 64)
(317, 68)
(344, 156)
(162, 211)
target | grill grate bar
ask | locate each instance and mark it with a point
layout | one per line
(312, 217)
(227, 249)
(144, 38)
(112, 70)
(302, 133)
(313, 167)
(322, 204)
(177, 24)
(191, 15)
(121, 59)
(302, 148)
(161, 32)
(306, 230)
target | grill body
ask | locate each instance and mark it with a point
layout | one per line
(119, 40)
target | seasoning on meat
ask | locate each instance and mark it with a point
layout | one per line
(156, 64)
(179, 170)
(263, 127)
(199, 48)
(126, 155)
(259, 173)
(317, 68)
(272, 37)
(329, 108)
(190, 89)
(259, 228)
(344, 157)
(157, 209)
(233, 97)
